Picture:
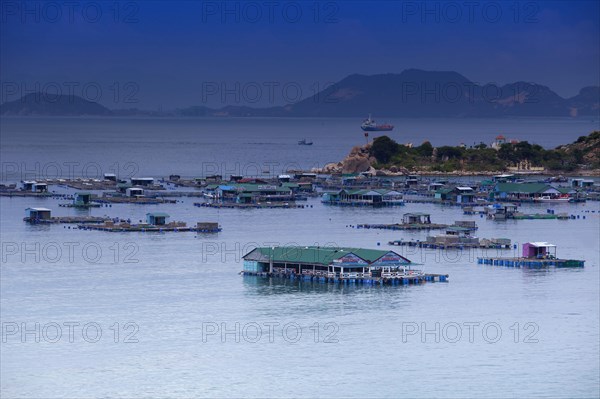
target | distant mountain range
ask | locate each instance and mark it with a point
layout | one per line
(411, 93)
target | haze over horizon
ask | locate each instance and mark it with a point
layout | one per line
(131, 52)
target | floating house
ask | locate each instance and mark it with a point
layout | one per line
(364, 197)
(454, 235)
(134, 192)
(501, 211)
(142, 181)
(37, 214)
(464, 195)
(535, 254)
(539, 250)
(582, 183)
(459, 194)
(27, 185)
(326, 264)
(443, 194)
(251, 193)
(157, 218)
(82, 198)
(435, 186)
(34, 186)
(411, 181)
(39, 188)
(524, 191)
(416, 218)
(299, 187)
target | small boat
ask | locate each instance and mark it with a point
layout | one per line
(547, 198)
(369, 125)
(304, 142)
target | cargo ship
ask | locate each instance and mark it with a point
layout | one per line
(369, 125)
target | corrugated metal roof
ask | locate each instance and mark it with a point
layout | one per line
(314, 255)
(541, 244)
(528, 188)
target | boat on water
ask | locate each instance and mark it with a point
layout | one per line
(369, 125)
(304, 142)
(547, 198)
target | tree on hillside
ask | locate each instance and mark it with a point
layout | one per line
(383, 149)
(425, 149)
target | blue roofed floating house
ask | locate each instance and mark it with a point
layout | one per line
(36, 214)
(157, 218)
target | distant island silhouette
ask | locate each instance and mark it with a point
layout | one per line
(411, 93)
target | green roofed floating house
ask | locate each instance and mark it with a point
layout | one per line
(364, 197)
(82, 199)
(250, 193)
(529, 192)
(335, 265)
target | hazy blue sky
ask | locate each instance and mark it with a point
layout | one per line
(150, 53)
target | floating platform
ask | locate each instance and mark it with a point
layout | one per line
(530, 262)
(537, 216)
(403, 226)
(80, 206)
(249, 206)
(132, 200)
(144, 229)
(393, 279)
(25, 194)
(67, 219)
(425, 244)
(386, 204)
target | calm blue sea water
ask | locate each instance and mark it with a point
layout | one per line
(193, 147)
(503, 332)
